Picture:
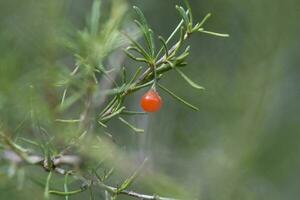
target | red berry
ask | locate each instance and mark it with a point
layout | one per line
(151, 101)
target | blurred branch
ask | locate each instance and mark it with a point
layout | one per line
(18, 155)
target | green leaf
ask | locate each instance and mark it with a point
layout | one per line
(115, 113)
(214, 33)
(135, 129)
(63, 97)
(188, 80)
(68, 120)
(208, 15)
(165, 46)
(186, 2)
(178, 27)
(95, 16)
(106, 75)
(148, 33)
(114, 91)
(108, 174)
(180, 42)
(70, 101)
(152, 42)
(178, 98)
(170, 63)
(131, 83)
(133, 57)
(102, 124)
(184, 16)
(138, 46)
(128, 182)
(135, 49)
(46, 192)
(28, 141)
(181, 58)
(143, 85)
(136, 75)
(127, 112)
(124, 75)
(91, 193)
(61, 193)
(109, 105)
(20, 178)
(66, 186)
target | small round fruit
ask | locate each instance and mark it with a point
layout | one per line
(151, 101)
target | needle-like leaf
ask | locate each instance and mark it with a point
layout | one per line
(95, 16)
(208, 15)
(183, 14)
(214, 33)
(127, 112)
(124, 75)
(68, 120)
(128, 182)
(165, 46)
(66, 186)
(187, 4)
(46, 192)
(178, 98)
(148, 34)
(136, 75)
(135, 129)
(133, 57)
(137, 45)
(188, 80)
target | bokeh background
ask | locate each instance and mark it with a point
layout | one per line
(244, 141)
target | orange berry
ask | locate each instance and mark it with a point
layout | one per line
(151, 101)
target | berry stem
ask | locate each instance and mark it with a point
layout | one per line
(155, 77)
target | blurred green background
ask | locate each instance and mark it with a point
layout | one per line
(244, 141)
